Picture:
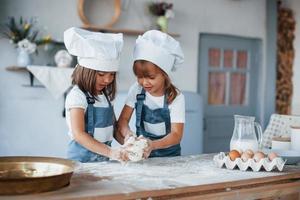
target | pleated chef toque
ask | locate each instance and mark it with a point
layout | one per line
(160, 49)
(94, 50)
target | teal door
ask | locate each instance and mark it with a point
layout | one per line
(228, 82)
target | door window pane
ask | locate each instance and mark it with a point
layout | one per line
(237, 88)
(228, 58)
(214, 56)
(216, 88)
(242, 58)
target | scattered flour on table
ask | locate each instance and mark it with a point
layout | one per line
(163, 173)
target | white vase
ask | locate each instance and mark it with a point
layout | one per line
(23, 58)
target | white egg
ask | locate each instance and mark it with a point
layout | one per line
(258, 156)
(246, 156)
(272, 156)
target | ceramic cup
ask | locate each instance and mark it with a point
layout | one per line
(295, 138)
(282, 143)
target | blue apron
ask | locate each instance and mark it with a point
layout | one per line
(95, 117)
(159, 115)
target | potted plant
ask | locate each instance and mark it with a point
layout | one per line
(24, 36)
(163, 11)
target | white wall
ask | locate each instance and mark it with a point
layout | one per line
(32, 110)
(191, 18)
(295, 6)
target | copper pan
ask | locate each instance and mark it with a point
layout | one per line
(23, 175)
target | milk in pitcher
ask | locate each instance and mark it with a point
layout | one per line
(243, 145)
(244, 136)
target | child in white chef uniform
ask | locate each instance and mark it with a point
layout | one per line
(89, 104)
(159, 105)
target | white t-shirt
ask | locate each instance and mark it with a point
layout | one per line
(177, 108)
(77, 99)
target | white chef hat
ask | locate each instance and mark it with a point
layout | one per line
(160, 49)
(98, 51)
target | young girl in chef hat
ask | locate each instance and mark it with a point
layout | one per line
(89, 109)
(159, 105)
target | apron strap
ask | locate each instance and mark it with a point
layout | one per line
(106, 96)
(90, 113)
(114, 115)
(165, 101)
(140, 101)
(168, 122)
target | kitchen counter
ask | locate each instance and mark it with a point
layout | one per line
(168, 178)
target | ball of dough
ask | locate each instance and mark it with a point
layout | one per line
(135, 148)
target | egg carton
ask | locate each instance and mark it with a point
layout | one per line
(222, 159)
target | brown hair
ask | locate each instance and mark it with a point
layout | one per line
(170, 89)
(85, 78)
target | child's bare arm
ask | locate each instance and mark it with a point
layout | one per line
(173, 138)
(123, 127)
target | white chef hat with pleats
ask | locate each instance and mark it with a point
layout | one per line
(94, 50)
(160, 49)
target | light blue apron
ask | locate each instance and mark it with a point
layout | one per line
(95, 117)
(159, 115)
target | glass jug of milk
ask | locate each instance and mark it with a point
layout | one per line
(244, 136)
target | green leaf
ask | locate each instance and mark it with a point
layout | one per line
(34, 35)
